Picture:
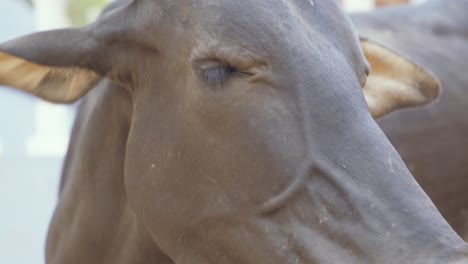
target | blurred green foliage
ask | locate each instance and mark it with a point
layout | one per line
(81, 11)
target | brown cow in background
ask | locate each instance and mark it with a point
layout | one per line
(380, 3)
(431, 140)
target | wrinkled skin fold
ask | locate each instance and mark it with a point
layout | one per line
(213, 140)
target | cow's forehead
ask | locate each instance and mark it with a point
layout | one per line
(255, 15)
(265, 24)
(246, 15)
(264, 27)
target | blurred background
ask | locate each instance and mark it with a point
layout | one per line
(34, 135)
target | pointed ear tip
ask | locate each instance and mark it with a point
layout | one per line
(427, 82)
(433, 87)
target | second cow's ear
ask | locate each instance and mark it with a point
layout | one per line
(395, 82)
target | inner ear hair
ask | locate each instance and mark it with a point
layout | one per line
(54, 84)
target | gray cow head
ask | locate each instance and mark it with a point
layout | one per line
(250, 139)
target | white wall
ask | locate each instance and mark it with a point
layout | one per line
(358, 5)
(50, 135)
(33, 138)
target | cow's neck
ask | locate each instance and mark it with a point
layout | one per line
(93, 222)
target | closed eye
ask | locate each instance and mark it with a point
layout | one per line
(217, 75)
(215, 72)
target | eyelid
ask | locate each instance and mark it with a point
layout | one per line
(239, 58)
(216, 72)
(216, 75)
(207, 64)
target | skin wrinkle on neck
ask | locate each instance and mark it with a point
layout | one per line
(280, 200)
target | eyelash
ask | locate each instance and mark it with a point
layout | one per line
(217, 75)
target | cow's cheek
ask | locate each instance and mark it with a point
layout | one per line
(214, 160)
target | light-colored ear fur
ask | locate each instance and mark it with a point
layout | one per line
(54, 84)
(395, 82)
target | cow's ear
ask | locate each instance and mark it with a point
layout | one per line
(395, 82)
(59, 66)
